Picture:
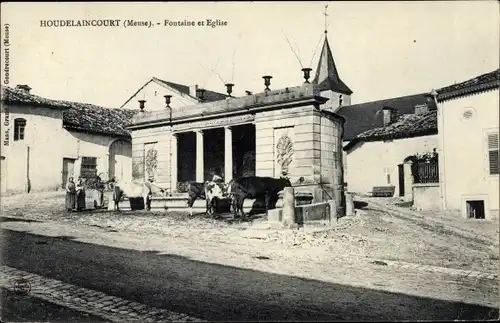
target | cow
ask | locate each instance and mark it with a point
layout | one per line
(253, 187)
(210, 191)
(214, 191)
(130, 190)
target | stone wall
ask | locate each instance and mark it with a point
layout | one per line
(426, 197)
(301, 120)
(331, 171)
(160, 138)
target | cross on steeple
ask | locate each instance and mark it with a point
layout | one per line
(326, 19)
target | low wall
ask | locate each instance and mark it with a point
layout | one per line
(179, 204)
(322, 213)
(426, 197)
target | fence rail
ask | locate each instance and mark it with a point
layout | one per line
(426, 172)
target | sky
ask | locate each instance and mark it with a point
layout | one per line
(381, 49)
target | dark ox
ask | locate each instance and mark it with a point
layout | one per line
(253, 187)
(210, 191)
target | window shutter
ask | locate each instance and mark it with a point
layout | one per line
(493, 153)
(492, 141)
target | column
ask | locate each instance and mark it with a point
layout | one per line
(349, 204)
(173, 163)
(289, 220)
(200, 172)
(228, 154)
(408, 179)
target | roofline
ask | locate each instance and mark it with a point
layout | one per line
(49, 106)
(470, 90)
(136, 93)
(374, 101)
(161, 83)
(301, 101)
(353, 142)
(71, 127)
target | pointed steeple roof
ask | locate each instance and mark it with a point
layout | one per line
(327, 76)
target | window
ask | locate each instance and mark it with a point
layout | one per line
(89, 167)
(475, 209)
(493, 160)
(19, 126)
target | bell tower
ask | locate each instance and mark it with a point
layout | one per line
(328, 79)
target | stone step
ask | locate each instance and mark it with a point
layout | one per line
(179, 204)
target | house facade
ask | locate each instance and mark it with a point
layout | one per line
(377, 157)
(44, 141)
(367, 116)
(468, 122)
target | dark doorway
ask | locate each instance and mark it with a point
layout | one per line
(475, 209)
(68, 170)
(213, 153)
(186, 157)
(244, 150)
(401, 174)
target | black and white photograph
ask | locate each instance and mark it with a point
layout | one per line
(319, 161)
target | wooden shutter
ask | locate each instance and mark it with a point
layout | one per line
(494, 162)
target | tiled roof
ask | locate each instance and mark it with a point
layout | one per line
(94, 119)
(406, 126)
(83, 117)
(481, 83)
(16, 96)
(208, 96)
(366, 116)
(327, 76)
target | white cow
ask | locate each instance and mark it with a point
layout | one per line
(135, 190)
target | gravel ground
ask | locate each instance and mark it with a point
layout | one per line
(373, 233)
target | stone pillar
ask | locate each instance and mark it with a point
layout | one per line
(173, 163)
(408, 179)
(200, 159)
(349, 204)
(228, 154)
(289, 208)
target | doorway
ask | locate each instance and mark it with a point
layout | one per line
(401, 175)
(120, 160)
(68, 170)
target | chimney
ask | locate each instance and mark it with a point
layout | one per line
(141, 105)
(199, 94)
(431, 100)
(421, 108)
(23, 87)
(193, 89)
(389, 115)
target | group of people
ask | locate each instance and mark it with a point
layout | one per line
(75, 195)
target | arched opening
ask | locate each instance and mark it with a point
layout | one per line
(120, 160)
